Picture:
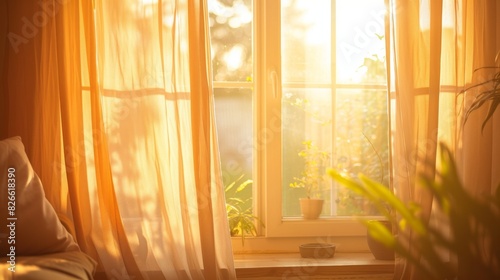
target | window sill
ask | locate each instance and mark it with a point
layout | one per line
(292, 266)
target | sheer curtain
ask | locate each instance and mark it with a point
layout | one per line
(434, 48)
(113, 102)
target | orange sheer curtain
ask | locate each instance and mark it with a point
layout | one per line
(113, 103)
(435, 47)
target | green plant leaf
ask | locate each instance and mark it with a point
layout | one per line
(243, 185)
(236, 200)
(493, 106)
(382, 193)
(240, 217)
(231, 185)
(474, 234)
(380, 233)
(492, 95)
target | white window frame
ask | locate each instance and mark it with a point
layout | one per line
(279, 233)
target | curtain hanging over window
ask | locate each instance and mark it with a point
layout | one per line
(435, 46)
(116, 113)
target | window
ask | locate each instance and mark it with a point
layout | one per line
(292, 74)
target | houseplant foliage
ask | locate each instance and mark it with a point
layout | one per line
(239, 212)
(491, 94)
(474, 227)
(312, 179)
(313, 176)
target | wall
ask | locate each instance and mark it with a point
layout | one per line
(20, 42)
(3, 87)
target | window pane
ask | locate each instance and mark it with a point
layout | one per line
(306, 41)
(361, 143)
(338, 121)
(306, 119)
(231, 39)
(360, 43)
(233, 110)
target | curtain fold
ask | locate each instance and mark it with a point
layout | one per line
(200, 115)
(416, 103)
(435, 46)
(116, 111)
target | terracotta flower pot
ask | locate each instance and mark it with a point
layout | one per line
(311, 207)
(379, 251)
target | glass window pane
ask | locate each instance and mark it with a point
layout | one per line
(306, 41)
(360, 44)
(361, 144)
(231, 39)
(307, 135)
(234, 120)
(344, 120)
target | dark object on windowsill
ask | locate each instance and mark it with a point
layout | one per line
(379, 250)
(317, 250)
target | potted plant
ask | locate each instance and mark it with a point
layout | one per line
(377, 248)
(239, 212)
(474, 236)
(312, 180)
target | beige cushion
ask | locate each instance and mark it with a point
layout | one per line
(72, 265)
(37, 228)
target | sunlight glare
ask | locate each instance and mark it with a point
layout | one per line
(148, 2)
(320, 19)
(359, 36)
(234, 57)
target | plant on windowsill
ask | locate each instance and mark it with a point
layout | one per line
(312, 180)
(377, 248)
(239, 213)
(474, 236)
